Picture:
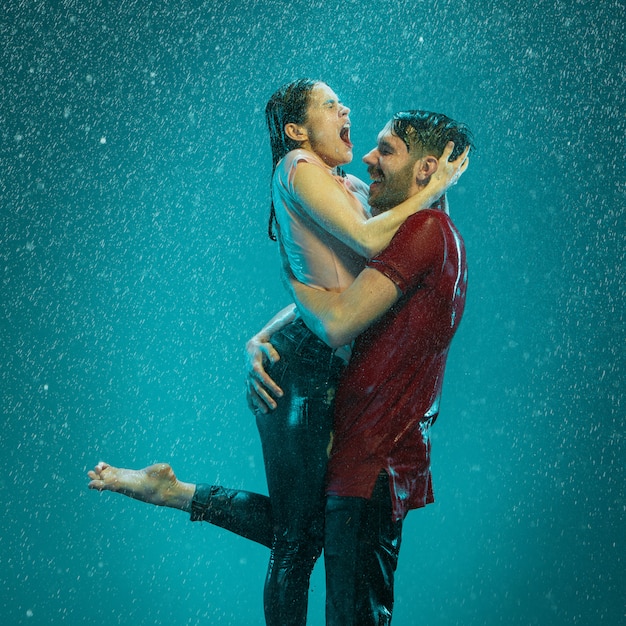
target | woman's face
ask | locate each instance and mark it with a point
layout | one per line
(327, 127)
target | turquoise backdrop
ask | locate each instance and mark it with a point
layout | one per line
(134, 264)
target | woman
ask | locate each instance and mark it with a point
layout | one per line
(324, 231)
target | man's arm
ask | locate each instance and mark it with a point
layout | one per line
(261, 389)
(338, 318)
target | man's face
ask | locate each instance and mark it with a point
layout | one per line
(392, 169)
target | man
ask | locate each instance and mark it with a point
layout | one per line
(403, 309)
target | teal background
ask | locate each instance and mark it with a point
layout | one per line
(134, 175)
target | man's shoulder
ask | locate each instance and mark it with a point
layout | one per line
(424, 223)
(428, 217)
(428, 223)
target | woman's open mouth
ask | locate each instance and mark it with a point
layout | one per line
(344, 135)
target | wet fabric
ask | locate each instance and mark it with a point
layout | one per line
(389, 395)
(244, 513)
(316, 257)
(361, 555)
(295, 437)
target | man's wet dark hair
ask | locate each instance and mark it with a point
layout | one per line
(288, 105)
(427, 132)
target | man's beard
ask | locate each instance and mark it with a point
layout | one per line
(394, 193)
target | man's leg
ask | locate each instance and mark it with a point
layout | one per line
(342, 559)
(361, 555)
(379, 549)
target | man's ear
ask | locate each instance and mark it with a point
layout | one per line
(296, 132)
(425, 168)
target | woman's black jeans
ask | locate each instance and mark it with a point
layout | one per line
(295, 438)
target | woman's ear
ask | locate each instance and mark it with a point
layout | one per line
(296, 132)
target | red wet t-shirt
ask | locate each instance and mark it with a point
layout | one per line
(389, 394)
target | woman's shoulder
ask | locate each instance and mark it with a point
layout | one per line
(357, 184)
(361, 190)
(286, 168)
(292, 158)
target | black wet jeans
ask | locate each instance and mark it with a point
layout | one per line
(295, 437)
(361, 555)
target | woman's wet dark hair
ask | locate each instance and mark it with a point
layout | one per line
(424, 130)
(287, 105)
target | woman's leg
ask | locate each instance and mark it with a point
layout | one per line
(295, 438)
(244, 513)
(241, 512)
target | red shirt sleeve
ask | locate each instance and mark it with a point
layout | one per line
(415, 252)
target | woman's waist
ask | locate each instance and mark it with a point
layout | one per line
(298, 340)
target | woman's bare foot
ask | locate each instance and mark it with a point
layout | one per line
(156, 484)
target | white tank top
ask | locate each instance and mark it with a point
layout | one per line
(316, 258)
